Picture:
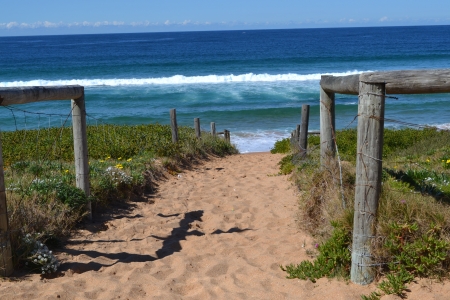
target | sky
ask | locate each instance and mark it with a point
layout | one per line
(48, 17)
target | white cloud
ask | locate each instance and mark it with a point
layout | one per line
(383, 19)
(12, 25)
(50, 24)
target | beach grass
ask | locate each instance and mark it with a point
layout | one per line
(413, 222)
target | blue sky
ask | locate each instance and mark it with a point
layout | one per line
(41, 17)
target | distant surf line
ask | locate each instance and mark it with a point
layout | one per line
(178, 80)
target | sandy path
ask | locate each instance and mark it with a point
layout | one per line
(218, 231)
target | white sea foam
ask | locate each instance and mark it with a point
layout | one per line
(445, 126)
(259, 141)
(177, 80)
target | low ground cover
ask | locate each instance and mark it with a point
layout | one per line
(413, 222)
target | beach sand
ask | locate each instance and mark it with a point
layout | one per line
(217, 231)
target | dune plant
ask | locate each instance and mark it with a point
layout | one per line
(333, 259)
(38, 257)
(281, 146)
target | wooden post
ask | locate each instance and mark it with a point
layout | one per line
(197, 128)
(213, 128)
(226, 134)
(6, 263)
(173, 123)
(297, 133)
(368, 178)
(327, 127)
(80, 148)
(303, 138)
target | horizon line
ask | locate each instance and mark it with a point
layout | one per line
(219, 30)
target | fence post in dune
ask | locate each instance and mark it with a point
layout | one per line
(303, 138)
(198, 133)
(327, 126)
(297, 133)
(226, 134)
(368, 177)
(213, 129)
(6, 263)
(80, 148)
(173, 124)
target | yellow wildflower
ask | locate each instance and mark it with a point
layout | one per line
(101, 160)
(428, 160)
(129, 159)
(119, 158)
(448, 161)
(119, 166)
(66, 171)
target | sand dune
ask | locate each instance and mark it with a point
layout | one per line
(218, 231)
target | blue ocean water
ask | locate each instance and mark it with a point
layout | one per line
(252, 83)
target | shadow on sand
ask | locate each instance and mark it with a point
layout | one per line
(170, 245)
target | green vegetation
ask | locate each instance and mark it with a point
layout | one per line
(333, 259)
(281, 146)
(413, 222)
(43, 203)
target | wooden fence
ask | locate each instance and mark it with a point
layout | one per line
(22, 95)
(174, 126)
(371, 89)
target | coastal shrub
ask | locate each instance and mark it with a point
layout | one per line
(420, 256)
(43, 220)
(333, 259)
(286, 164)
(46, 189)
(281, 146)
(37, 256)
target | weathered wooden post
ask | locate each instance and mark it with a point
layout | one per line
(327, 127)
(368, 177)
(173, 123)
(80, 148)
(297, 133)
(226, 134)
(198, 133)
(213, 129)
(6, 263)
(303, 138)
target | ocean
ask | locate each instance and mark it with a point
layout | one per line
(252, 83)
